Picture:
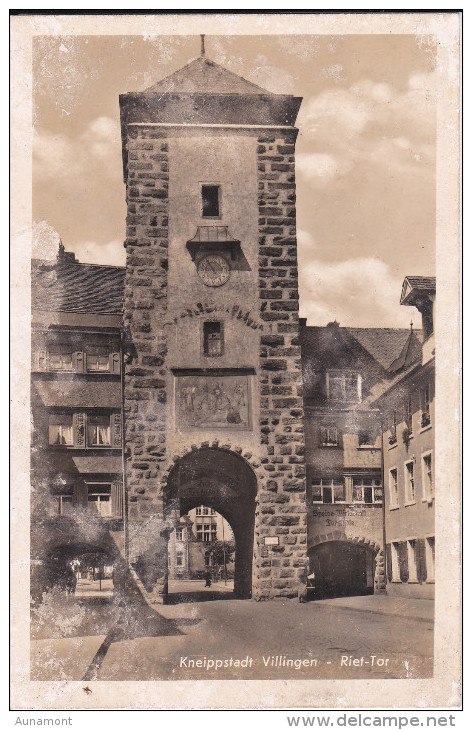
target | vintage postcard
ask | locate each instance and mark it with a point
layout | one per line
(235, 285)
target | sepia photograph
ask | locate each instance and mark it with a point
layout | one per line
(232, 460)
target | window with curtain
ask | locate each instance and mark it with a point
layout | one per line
(60, 429)
(98, 430)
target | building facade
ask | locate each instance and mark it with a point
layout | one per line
(191, 553)
(407, 405)
(77, 503)
(176, 381)
(344, 454)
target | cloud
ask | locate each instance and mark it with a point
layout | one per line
(91, 252)
(306, 244)
(359, 292)
(370, 122)
(60, 157)
(334, 72)
(317, 166)
(45, 245)
(270, 77)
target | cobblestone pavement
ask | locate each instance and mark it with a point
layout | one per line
(223, 638)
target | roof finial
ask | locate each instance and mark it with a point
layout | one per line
(202, 47)
(411, 325)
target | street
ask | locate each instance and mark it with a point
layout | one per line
(223, 638)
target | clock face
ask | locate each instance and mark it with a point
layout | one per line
(213, 270)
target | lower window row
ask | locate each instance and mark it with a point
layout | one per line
(85, 430)
(331, 491)
(99, 498)
(411, 561)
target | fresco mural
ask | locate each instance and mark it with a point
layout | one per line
(206, 401)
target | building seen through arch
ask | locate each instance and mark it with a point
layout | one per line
(202, 544)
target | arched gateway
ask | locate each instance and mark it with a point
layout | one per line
(211, 323)
(224, 481)
(344, 566)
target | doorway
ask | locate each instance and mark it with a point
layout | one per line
(342, 568)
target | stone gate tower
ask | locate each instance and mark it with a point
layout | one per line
(212, 384)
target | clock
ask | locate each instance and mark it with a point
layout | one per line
(213, 270)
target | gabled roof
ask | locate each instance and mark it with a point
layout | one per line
(380, 389)
(412, 352)
(383, 344)
(69, 286)
(386, 344)
(414, 285)
(206, 77)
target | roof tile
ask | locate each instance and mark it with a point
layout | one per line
(76, 287)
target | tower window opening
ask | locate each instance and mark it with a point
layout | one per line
(210, 201)
(212, 339)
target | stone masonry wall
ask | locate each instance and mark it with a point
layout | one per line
(145, 344)
(281, 507)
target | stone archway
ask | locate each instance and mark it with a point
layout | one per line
(344, 566)
(59, 541)
(224, 480)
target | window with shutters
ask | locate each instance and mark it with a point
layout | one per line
(344, 385)
(98, 430)
(59, 357)
(428, 484)
(85, 430)
(99, 499)
(403, 561)
(395, 552)
(420, 555)
(328, 491)
(392, 439)
(410, 490)
(65, 504)
(329, 435)
(430, 559)
(412, 565)
(74, 357)
(409, 414)
(367, 491)
(179, 534)
(98, 359)
(393, 488)
(367, 438)
(425, 395)
(60, 429)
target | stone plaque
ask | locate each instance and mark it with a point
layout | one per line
(213, 401)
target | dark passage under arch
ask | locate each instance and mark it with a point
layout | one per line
(342, 568)
(223, 480)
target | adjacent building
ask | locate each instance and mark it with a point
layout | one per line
(76, 412)
(406, 401)
(344, 453)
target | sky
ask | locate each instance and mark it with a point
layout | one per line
(365, 155)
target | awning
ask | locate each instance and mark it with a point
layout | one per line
(67, 393)
(97, 464)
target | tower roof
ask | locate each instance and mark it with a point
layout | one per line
(202, 76)
(204, 94)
